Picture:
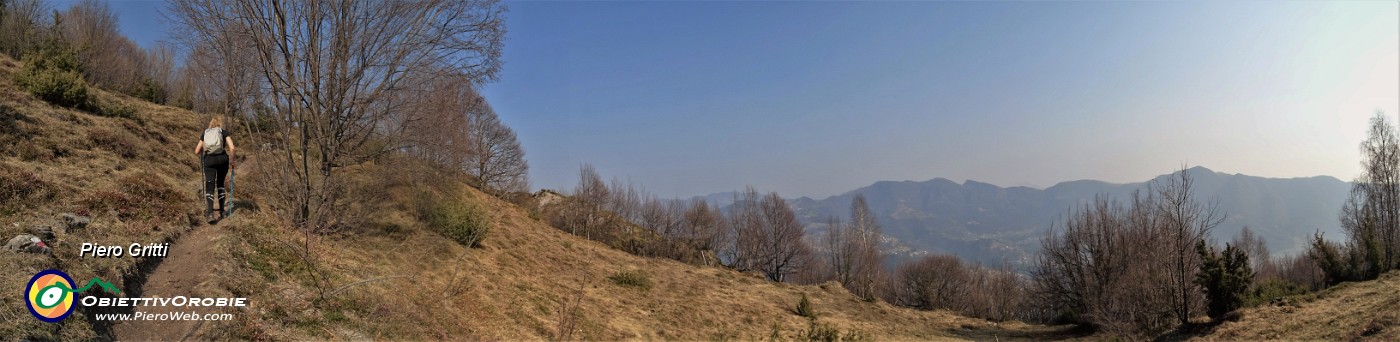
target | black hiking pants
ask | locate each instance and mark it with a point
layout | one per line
(215, 171)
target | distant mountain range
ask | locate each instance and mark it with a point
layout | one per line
(988, 223)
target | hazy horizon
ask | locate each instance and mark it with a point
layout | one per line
(818, 98)
(1005, 93)
(1037, 187)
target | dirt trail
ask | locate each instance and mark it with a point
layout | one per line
(184, 272)
(1017, 331)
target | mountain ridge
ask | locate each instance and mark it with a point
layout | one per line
(988, 223)
(712, 197)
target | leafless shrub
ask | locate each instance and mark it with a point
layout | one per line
(853, 254)
(24, 25)
(700, 231)
(568, 316)
(332, 73)
(496, 160)
(934, 282)
(764, 236)
(1129, 270)
(467, 135)
(1258, 251)
(1302, 270)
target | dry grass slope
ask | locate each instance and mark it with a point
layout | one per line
(521, 283)
(1368, 310)
(129, 174)
(392, 276)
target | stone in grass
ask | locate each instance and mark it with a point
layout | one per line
(75, 222)
(46, 232)
(25, 243)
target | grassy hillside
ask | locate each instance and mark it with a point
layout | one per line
(526, 281)
(1368, 310)
(391, 275)
(133, 173)
(394, 274)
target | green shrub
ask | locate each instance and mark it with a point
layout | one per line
(1226, 278)
(264, 120)
(63, 88)
(458, 220)
(151, 91)
(1271, 289)
(52, 74)
(822, 332)
(115, 110)
(632, 278)
(805, 309)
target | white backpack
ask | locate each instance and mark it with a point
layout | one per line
(214, 141)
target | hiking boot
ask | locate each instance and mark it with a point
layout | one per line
(209, 216)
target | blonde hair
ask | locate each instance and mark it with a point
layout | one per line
(216, 121)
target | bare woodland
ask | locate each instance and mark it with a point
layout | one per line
(345, 80)
(326, 85)
(1371, 215)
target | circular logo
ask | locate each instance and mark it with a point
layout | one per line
(50, 296)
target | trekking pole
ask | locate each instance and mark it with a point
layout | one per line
(203, 187)
(228, 207)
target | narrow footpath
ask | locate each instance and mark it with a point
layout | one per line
(184, 272)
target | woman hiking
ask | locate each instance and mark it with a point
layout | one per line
(215, 151)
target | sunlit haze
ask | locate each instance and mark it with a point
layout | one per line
(817, 98)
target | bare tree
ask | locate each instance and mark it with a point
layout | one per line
(934, 282)
(625, 201)
(1301, 269)
(443, 140)
(1078, 270)
(592, 194)
(742, 250)
(1381, 183)
(782, 251)
(1371, 215)
(109, 59)
(332, 71)
(23, 26)
(943, 281)
(160, 71)
(1007, 293)
(867, 261)
(764, 235)
(496, 160)
(225, 69)
(1257, 249)
(664, 218)
(1120, 268)
(1187, 221)
(840, 251)
(704, 229)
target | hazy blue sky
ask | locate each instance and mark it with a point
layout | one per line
(816, 98)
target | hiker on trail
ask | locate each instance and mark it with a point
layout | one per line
(215, 150)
